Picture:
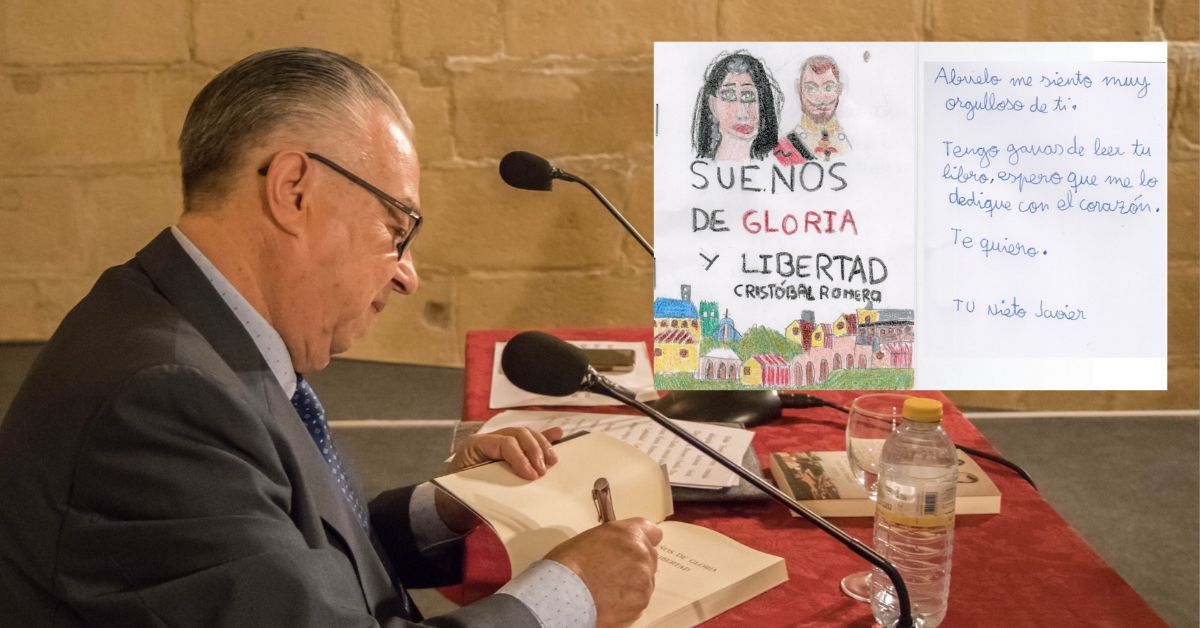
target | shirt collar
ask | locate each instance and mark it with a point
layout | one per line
(268, 341)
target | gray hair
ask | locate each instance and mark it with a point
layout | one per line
(305, 87)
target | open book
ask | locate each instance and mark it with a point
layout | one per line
(701, 573)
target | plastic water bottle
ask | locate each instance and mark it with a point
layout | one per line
(914, 515)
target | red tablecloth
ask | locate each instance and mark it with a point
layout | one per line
(1022, 567)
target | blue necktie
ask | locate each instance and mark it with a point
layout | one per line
(313, 414)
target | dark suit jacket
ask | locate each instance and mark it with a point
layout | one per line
(153, 473)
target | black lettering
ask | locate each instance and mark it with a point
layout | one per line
(703, 179)
(834, 175)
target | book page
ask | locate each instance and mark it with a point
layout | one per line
(686, 466)
(1045, 216)
(532, 517)
(784, 215)
(702, 573)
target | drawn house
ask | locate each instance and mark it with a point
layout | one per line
(889, 333)
(833, 347)
(719, 364)
(727, 332)
(765, 369)
(675, 351)
(819, 334)
(846, 325)
(710, 319)
(677, 314)
(800, 330)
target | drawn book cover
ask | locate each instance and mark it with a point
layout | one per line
(868, 215)
(824, 482)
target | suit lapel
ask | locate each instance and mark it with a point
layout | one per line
(186, 287)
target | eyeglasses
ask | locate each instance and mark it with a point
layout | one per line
(411, 225)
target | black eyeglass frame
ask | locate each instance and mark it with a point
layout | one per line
(383, 197)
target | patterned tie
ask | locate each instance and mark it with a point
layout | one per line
(313, 414)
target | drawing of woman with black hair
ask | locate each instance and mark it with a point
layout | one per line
(737, 110)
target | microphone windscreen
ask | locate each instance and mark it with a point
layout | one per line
(526, 171)
(540, 363)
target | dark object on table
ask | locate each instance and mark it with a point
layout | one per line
(611, 360)
(748, 408)
(744, 407)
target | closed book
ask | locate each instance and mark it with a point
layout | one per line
(823, 481)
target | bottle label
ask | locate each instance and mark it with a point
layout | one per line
(926, 506)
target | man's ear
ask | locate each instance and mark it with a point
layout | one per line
(289, 179)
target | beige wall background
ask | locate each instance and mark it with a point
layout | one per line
(93, 93)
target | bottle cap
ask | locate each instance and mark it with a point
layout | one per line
(922, 410)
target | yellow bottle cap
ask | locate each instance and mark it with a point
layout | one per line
(923, 410)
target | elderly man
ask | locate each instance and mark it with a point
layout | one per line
(818, 135)
(166, 463)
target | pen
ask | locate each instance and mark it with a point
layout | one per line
(602, 497)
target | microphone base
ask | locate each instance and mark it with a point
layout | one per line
(748, 408)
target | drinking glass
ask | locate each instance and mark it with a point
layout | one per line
(872, 419)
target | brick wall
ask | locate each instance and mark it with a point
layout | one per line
(93, 92)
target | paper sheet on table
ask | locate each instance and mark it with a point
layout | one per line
(686, 466)
(640, 380)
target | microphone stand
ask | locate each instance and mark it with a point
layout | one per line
(594, 382)
(566, 176)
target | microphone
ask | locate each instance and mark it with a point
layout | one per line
(543, 364)
(526, 171)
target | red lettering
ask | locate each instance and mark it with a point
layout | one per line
(748, 225)
(829, 220)
(822, 221)
(848, 219)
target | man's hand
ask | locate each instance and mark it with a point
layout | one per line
(617, 562)
(526, 451)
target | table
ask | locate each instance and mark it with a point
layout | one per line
(1022, 567)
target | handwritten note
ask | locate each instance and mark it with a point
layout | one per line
(1044, 198)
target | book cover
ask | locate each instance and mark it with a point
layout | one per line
(823, 481)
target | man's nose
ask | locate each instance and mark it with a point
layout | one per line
(406, 280)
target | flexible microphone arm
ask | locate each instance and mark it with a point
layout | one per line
(566, 176)
(594, 382)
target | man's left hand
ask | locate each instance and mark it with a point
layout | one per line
(526, 451)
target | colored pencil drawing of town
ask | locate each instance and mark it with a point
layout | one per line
(703, 348)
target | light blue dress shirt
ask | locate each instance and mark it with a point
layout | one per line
(554, 593)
